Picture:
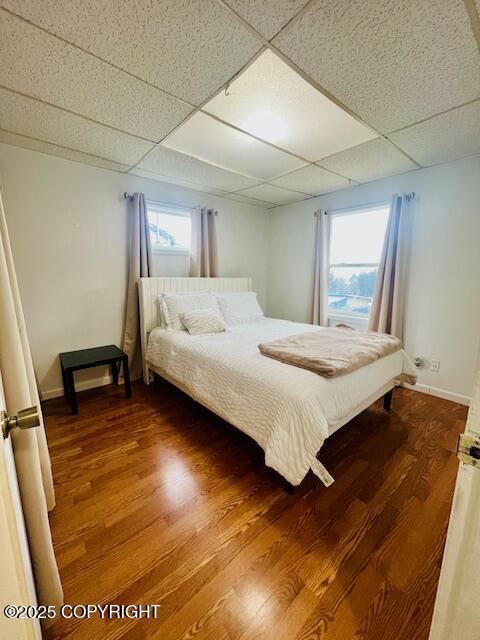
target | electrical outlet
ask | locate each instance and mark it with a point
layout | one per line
(435, 365)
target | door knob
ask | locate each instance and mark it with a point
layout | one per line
(26, 419)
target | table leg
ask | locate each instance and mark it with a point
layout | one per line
(126, 378)
(115, 372)
(71, 391)
(65, 383)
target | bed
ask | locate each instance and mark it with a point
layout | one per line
(287, 410)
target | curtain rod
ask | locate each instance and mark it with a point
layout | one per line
(129, 197)
(367, 205)
(408, 196)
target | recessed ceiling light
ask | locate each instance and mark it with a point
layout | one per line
(214, 142)
(266, 125)
(274, 103)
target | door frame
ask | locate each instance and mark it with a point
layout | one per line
(464, 519)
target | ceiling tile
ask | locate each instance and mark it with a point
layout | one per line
(369, 161)
(212, 141)
(446, 137)
(268, 16)
(241, 198)
(29, 117)
(313, 180)
(44, 147)
(37, 64)
(178, 181)
(176, 45)
(276, 195)
(274, 103)
(178, 165)
(392, 62)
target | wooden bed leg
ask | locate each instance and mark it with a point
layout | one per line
(387, 400)
(288, 488)
(196, 410)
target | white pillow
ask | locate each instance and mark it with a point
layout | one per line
(173, 304)
(202, 321)
(239, 308)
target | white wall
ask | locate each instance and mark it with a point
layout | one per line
(443, 300)
(68, 229)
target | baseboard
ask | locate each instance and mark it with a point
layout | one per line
(79, 386)
(439, 393)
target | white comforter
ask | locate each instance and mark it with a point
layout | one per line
(288, 411)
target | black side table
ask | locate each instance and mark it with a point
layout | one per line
(71, 361)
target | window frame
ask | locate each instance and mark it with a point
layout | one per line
(355, 321)
(174, 210)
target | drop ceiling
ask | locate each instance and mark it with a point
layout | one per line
(265, 103)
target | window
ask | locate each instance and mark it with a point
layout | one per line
(170, 228)
(355, 247)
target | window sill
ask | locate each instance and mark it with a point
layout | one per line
(352, 321)
(170, 252)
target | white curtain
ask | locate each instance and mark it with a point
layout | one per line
(204, 258)
(141, 265)
(387, 313)
(321, 261)
(32, 459)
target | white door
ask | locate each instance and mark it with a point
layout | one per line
(16, 578)
(457, 608)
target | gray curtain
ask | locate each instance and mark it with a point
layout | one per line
(204, 256)
(141, 265)
(387, 313)
(32, 458)
(320, 277)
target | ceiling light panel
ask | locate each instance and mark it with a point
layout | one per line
(39, 64)
(312, 180)
(212, 141)
(276, 195)
(392, 62)
(268, 16)
(167, 162)
(45, 147)
(29, 117)
(446, 137)
(274, 103)
(185, 47)
(370, 161)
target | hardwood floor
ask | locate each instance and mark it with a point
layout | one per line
(156, 505)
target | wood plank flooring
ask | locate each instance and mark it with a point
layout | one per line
(158, 504)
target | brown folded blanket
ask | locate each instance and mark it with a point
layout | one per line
(332, 351)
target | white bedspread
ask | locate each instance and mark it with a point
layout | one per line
(288, 411)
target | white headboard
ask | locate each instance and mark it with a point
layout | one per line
(150, 289)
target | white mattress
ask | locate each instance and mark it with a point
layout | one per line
(288, 411)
